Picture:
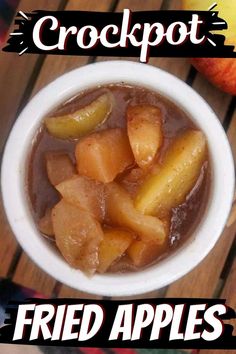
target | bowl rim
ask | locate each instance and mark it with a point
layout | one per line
(17, 207)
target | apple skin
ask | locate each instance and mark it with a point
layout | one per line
(219, 71)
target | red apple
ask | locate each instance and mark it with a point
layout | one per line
(219, 71)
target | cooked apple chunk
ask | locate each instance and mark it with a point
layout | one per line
(78, 236)
(83, 121)
(120, 211)
(84, 193)
(145, 133)
(115, 242)
(103, 155)
(59, 167)
(176, 177)
(45, 224)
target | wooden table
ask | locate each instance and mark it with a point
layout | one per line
(21, 77)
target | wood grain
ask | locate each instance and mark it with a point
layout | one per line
(149, 295)
(137, 5)
(15, 73)
(177, 66)
(30, 275)
(8, 244)
(54, 66)
(232, 134)
(228, 293)
(202, 281)
(133, 5)
(66, 291)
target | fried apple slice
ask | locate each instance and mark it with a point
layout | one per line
(176, 177)
(83, 121)
(84, 193)
(120, 211)
(144, 132)
(143, 253)
(59, 167)
(102, 155)
(78, 236)
(115, 242)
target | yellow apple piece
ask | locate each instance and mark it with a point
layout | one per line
(176, 177)
(103, 155)
(143, 253)
(78, 236)
(59, 167)
(84, 193)
(120, 211)
(145, 132)
(83, 121)
(45, 224)
(114, 244)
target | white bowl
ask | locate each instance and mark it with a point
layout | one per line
(14, 169)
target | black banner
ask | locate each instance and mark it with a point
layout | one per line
(128, 34)
(150, 323)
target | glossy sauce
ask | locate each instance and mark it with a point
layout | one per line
(43, 195)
